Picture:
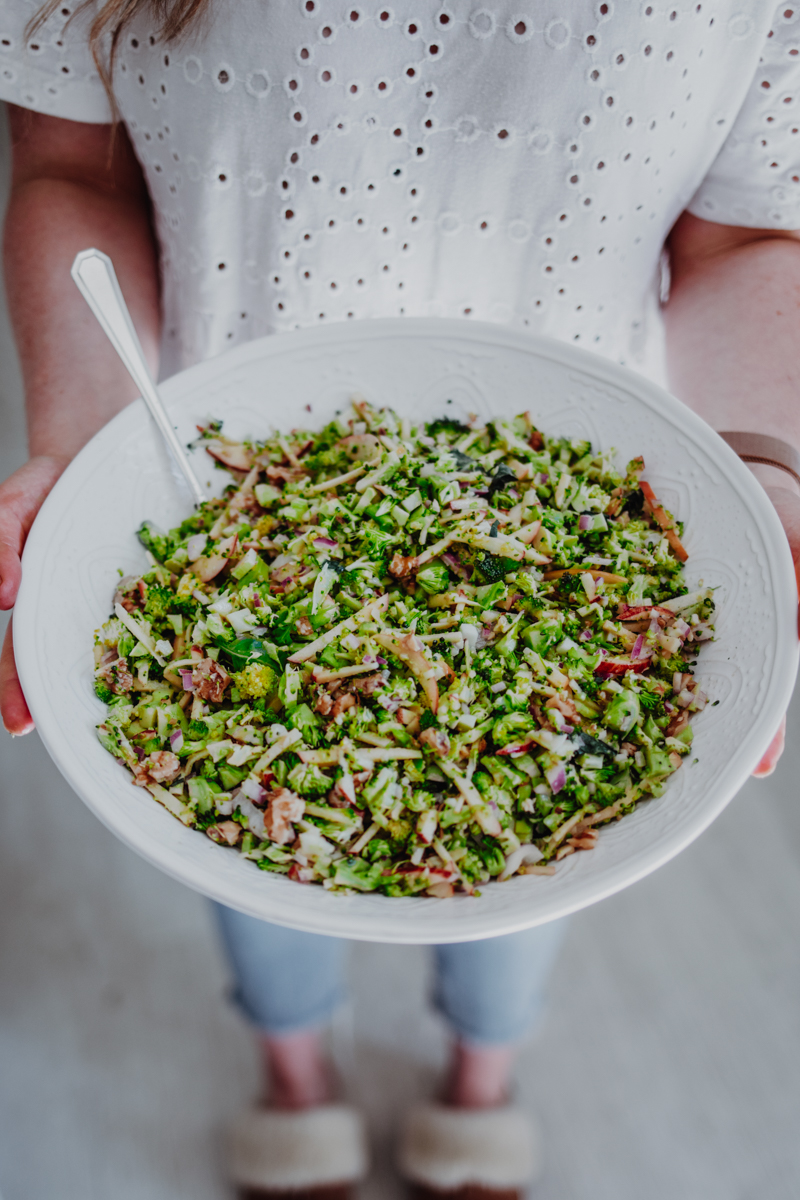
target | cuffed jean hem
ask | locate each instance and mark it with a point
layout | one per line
(277, 1029)
(492, 992)
(305, 1022)
(286, 981)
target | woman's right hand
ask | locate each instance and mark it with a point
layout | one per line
(74, 184)
(21, 497)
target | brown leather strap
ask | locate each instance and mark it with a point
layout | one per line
(761, 448)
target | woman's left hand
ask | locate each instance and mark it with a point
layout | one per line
(732, 325)
(787, 506)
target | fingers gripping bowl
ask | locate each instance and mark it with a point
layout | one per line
(733, 540)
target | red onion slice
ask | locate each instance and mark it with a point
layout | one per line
(253, 790)
(455, 564)
(556, 777)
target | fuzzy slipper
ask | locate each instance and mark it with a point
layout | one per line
(469, 1154)
(317, 1153)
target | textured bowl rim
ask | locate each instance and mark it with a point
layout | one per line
(337, 915)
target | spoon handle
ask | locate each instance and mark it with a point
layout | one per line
(94, 274)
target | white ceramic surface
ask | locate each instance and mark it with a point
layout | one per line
(85, 531)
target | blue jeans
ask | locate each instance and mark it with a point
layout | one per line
(489, 992)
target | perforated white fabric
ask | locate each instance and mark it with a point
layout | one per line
(312, 160)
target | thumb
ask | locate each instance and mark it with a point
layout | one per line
(16, 715)
(21, 497)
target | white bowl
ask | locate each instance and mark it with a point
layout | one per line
(426, 368)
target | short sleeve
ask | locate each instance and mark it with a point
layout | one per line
(52, 72)
(755, 179)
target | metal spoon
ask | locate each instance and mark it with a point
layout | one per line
(94, 274)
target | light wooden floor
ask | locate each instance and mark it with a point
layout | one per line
(667, 1068)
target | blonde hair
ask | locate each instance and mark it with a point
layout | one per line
(172, 18)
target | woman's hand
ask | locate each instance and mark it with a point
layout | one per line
(21, 497)
(787, 506)
(733, 325)
(73, 185)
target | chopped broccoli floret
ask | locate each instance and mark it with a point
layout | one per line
(433, 577)
(308, 780)
(255, 681)
(446, 425)
(494, 567)
(160, 600)
(160, 544)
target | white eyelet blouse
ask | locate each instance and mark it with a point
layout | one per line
(317, 160)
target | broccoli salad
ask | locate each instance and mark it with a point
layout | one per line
(407, 658)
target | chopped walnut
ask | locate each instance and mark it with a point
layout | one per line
(402, 565)
(283, 807)
(227, 833)
(118, 676)
(566, 706)
(126, 593)
(210, 680)
(342, 703)
(288, 474)
(162, 766)
(370, 683)
(437, 739)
